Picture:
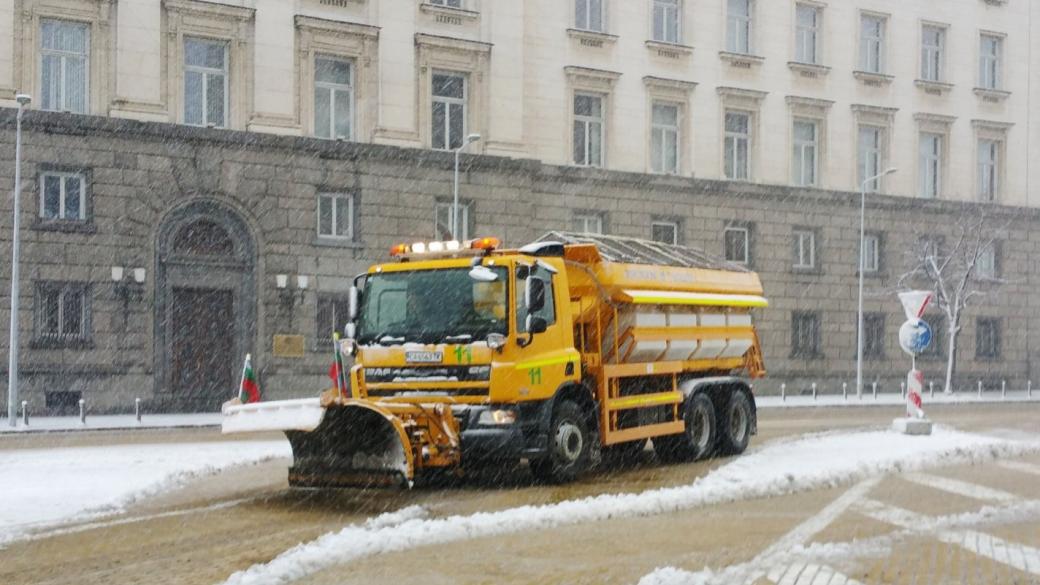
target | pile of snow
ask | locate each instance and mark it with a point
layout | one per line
(45, 487)
(111, 422)
(786, 466)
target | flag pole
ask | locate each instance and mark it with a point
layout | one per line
(339, 364)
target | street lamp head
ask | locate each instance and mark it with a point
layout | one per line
(23, 99)
(890, 170)
(472, 138)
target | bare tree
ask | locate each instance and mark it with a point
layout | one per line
(958, 274)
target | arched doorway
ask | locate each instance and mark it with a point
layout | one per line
(205, 305)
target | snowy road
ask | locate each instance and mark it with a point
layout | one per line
(730, 520)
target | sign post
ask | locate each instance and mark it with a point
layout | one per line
(915, 335)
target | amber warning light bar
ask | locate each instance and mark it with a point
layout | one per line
(449, 248)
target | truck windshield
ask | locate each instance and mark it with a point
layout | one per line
(432, 306)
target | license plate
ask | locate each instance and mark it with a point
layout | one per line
(424, 357)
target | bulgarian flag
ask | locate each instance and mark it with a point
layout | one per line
(336, 370)
(248, 391)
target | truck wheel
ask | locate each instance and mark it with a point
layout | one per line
(735, 427)
(570, 444)
(697, 441)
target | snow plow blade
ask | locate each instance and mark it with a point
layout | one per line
(357, 444)
(281, 415)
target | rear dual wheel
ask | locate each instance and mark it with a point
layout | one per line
(697, 441)
(735, 426)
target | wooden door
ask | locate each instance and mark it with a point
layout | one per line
(203, 365)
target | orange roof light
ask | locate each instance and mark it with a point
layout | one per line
(399, 250)
(484, 244)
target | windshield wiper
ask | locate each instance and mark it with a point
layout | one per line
(462, 338)
(389, 340)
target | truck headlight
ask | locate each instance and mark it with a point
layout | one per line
(497, 417)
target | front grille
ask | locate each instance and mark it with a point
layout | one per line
(426, 374)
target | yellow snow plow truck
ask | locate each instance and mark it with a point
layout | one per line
(556, 352)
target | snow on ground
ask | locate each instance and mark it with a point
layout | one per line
(892, 399)
(45, 487)
(111, 421)
(781, 467)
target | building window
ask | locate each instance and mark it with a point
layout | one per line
(449, 110)
(738, 145)
(738, 26)
(588, 15)
(807, 32)
(989, 157)
(805, 334)
(665, 232)
(61, 313)
(871, 253)
(937, 323)
(333, 312)
(587, 223)
(443, 228)
(737, 244)
(990, 56)
(806, 148)
(333, 98)
(63, 196)
(804, 249)
(664, 138)
(448, 3)
(666, 20)
(986, 265)
(205, 82)
(870, 157)
(931, 147)
(933, 41)
(987, 338)
(873, 335)
(872, 44)
(336, 216)
(588, 130)
(64, 66)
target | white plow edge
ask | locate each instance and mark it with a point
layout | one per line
(304, 414)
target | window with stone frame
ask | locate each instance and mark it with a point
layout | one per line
(205, 82)
(589, 129)
(737, 146)
(871, 156)
(987, 267)
(805, 335)
(805, 250)
(807, 33)
(738, 26)
(588, 15)
(991, 57)
(987, 338)
(665, 231)
(872, 43)
(873, 335)
(333, 97)
(737, 243)
(872, 252)
(933, 52)
(588, 222)
(667, 19)
(61, 314)
(448, 110)
(63, 196)
(64, 66)
(443, 220)
(931, 164)
(665, 137)
(333, 312)
(806, 148)
(337, 217)
(988, 173)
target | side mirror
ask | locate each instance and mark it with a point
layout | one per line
(536, 324)
(534, 295)
(354, 301)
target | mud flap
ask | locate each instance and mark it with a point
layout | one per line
(357, 444)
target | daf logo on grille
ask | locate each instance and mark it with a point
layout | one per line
(424, 357)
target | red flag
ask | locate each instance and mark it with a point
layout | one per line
(248, 390)
(334, 373)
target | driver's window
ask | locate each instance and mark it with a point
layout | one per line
(548, 312)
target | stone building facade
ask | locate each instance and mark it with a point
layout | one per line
(214, 216)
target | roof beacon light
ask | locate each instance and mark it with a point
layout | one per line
(419, 248)
(484, 244)
(399, 250)
(436, 246)
(452, 245)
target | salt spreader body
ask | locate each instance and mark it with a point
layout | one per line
(557, 352)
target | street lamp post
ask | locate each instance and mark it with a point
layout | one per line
(455, 205)
(12, 364)
(862, 237)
